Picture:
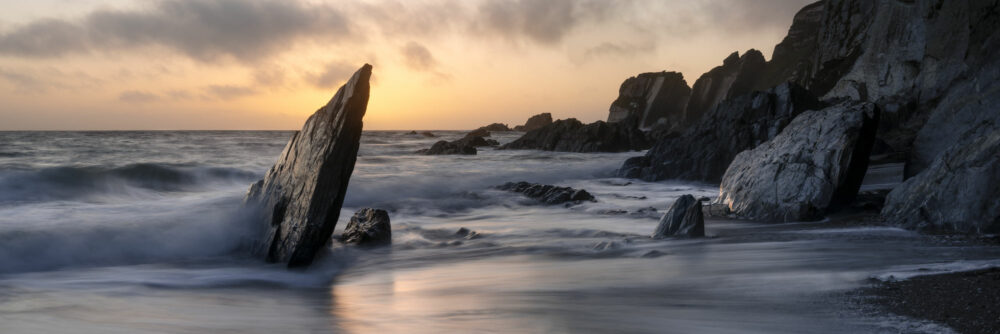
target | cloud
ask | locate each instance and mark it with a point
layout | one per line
(417, 57)
(229, 92)
(135, 96)
(332, 75)
(205, 30)
(541, 21)
(619, 49)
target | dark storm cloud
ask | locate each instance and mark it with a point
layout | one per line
(201, 29)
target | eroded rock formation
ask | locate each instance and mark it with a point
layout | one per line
(814, 165)
(299, 200)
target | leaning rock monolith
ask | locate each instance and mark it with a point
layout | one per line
(684, 219)
(300, 198)
(815, 165)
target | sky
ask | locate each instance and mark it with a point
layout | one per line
(269, 64)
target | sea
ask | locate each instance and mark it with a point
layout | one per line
(144, 232)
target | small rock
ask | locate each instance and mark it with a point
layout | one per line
(446, 148)
(683, 219)
(368, 227)
(549, 194)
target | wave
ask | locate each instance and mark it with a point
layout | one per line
(143, 232)
(66, 183)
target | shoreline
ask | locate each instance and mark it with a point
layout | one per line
(964, 301)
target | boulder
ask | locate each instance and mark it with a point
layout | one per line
(299, 199)
(444, 147)
(480, 132)
(428, 134)
(957, 193)
(684, 219)
(549, 194)
(535, 122)
(368, 227)
(475, 141)
(704, 151)
(814, 166)
(571, 135)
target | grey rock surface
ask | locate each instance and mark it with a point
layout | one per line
(815, 165)
(368, 227)
(549, 194)
(300, 197)
(683, 219)
(653, 98)
(958, 192)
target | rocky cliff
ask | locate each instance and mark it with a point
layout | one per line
(299, 199)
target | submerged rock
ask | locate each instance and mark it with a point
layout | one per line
(428, 134)
(684, 219)
(705, 150)
(368, 227)
(814, 166)
(447, 148)
(571, 135)
(535, 122)
(958, 192)
(301, 196)
(548, 194)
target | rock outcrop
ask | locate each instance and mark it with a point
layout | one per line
(299, 199)
(571, 135)
(704, 151)
(684, 219)
(736, 77)
(957, 193)
(368, 227)
(815, 165)
(444, 147)
(428, 134)
(535, 122)
(548, 194)
(654, 98)
(495, 127)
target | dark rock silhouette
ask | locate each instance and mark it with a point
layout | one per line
(535, 122)
(548, 194)
(495, 127)
(684, 219)
(368, 227)
(653, 98)
(571, 135)
(444, 147)
(428, 134)
(703, 152)
(957, 193)
(815, 165)
(301, 196)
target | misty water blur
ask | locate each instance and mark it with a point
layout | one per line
(140, 232)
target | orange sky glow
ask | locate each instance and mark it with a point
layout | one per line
(243, 65)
